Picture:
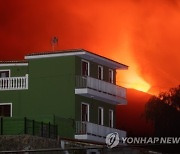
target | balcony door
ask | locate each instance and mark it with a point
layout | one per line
(84, 112)
(85, 68)
(100, 72)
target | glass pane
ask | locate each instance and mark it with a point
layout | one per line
(4, 74)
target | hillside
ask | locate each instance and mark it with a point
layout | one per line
(130, 117)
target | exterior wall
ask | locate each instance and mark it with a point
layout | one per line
(14, 97)
(50, 92)
(93, 110)
(51, 86)
(16, 71)
(51, 89)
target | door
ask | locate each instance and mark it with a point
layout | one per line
(84, 112)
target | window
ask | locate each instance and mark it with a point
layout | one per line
(111, 76)
(110, 118)
(6, 109)
(100, 72)
(100, 116)
(85, 68)
(4, 73)
(84, 112)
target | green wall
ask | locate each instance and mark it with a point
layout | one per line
(14, 96)
(50, 92)
(93, 109)
(51, 87)
(16, 71)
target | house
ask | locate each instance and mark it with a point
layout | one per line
(75, 89)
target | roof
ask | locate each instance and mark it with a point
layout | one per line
(14, 63)
(84, 54)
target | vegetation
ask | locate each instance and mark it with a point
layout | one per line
(164, 111)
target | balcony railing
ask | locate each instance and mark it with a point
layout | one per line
(92, 129)
(14, 83)
(101, 86)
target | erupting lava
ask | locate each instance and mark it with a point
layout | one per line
(131, 78)
(134, 81)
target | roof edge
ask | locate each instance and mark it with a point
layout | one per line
(13, 63)
(75, 52)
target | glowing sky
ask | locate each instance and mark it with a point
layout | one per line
(143, 34)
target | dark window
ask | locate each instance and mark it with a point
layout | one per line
(110, 118)
(85, 68)
(4, 74)
(100, 72)
(100, 116)
(111, 76)
(5, 110)
(84, 112)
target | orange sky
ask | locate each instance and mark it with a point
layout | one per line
(144, 34)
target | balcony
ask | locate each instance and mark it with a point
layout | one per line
(94, 132)
(100, 90)
(14, 83)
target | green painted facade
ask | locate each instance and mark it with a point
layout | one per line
(51, 97)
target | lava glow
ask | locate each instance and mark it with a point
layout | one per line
(136, 82)
(143, 34)
(131, 78)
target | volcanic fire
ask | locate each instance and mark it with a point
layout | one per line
(141, 34)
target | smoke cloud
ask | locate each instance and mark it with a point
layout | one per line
(142, 34)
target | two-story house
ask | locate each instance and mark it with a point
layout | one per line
(75, 89)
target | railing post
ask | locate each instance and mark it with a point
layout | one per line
(49, 130)
(56, 134)
(21, 81)
(25, 125)
(8, 83)
(26, 81)
(33, 127)
(41, 129)
(1, 125)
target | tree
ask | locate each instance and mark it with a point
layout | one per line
(164, 111)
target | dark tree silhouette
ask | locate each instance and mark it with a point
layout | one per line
(164, 111)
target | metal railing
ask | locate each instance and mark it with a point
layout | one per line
(99, 85)
(83, 127)
(18, 126)
(14, 83)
